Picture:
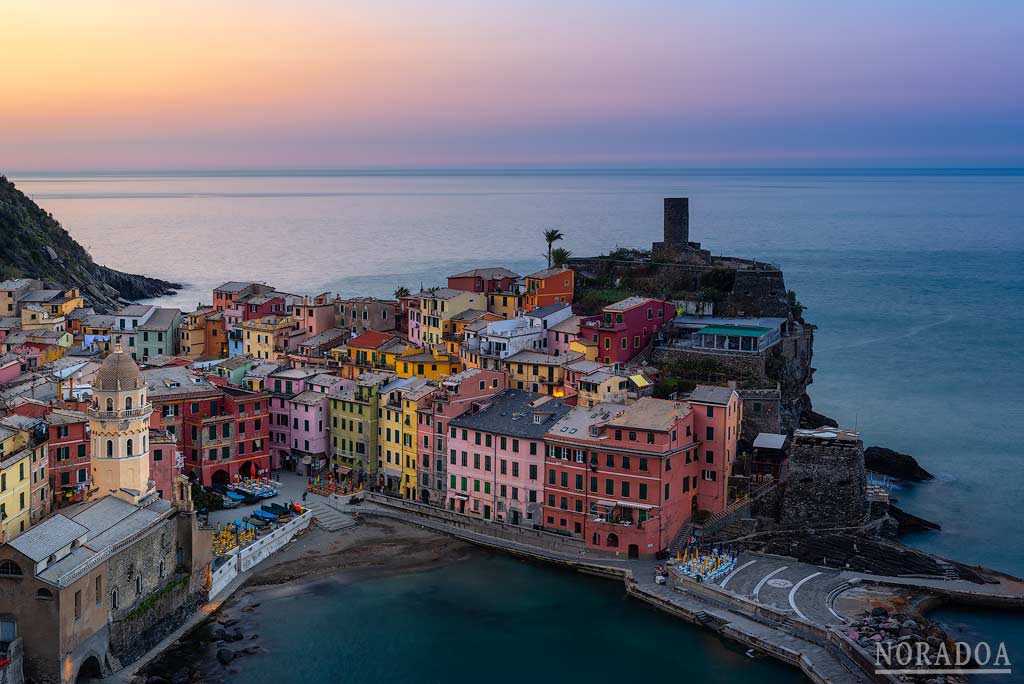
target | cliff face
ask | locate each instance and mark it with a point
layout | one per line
(34, 245)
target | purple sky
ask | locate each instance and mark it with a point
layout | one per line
(312, 83)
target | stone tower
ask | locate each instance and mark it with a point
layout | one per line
(677, 221)
(119, 429)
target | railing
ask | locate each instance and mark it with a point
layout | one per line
(116, 415)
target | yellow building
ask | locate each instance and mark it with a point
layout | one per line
(192, 334)
(424, 364)
(457, 328)
(39, 317)
(436, 309)
(536, 372)
(11, 290)
(396, 434)
(15, 494)
(271, 337)
(588, 348)
(505, 304)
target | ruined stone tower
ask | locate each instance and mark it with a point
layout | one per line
(677, 220)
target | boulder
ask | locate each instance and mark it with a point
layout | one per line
(893, 463)
(225, 656)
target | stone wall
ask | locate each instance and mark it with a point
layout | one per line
(826, 484)
(762, 412)
(714, 367)
(152, 620)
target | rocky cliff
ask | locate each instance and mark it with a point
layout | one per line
(34, 245)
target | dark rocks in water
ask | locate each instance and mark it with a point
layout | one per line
(879, 612)
(894, 464)
(218, 634)
(812, 420)
(225, 656)
(911, 523)
(36, 246)
(235, 635)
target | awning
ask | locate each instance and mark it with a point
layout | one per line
(461, 497)
(640, 381)
(639, 506)
(344, 470)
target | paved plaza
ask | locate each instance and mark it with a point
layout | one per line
(804, 590)
(290, 491)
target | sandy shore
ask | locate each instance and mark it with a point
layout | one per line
(377, 546)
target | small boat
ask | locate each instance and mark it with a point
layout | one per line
(234, 496)
(258, 522)
(264, 515)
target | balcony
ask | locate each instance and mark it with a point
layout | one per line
(140, 412)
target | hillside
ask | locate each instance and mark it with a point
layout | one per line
(34, 245)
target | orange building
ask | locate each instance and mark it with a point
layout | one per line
(550, 286)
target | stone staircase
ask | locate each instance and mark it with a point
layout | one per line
(679, 541)
(327, 517)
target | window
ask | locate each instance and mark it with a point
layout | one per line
(643, 464)
(650, 438)
(710, 433)
(625, 489)
(666, 491)
(642, 491)
(709, 456)
(110, 448)
(609, 487)
(78, 605)
(711, 411)
(533, 471)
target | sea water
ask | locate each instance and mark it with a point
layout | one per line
(913, 278)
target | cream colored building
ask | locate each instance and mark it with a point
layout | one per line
(119, 429)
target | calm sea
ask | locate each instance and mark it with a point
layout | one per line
(914, 279)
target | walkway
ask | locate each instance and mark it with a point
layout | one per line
(327, 516)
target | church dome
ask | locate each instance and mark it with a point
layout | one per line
(118, 372)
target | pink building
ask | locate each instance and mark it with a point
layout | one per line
(627, 327)
(315, 314)
(309, 430)
(10, 367)
(496, 457)
(283, 385)
(489, 280)
(456, 395)
(718, 417)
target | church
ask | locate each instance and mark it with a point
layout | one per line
(93, 587)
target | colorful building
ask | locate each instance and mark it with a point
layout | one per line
(284, 384)
(192, 333)
(69, 456)
(271, 337)
(414, 362)
(496, 457)
(429, 323)
(355, 418)
(15, 487)
(536, 372)
(226, 438)
(547, 287)
(396, 435)
(488, 280)
(718, 419)
(627, 327)
(227, 295)
(158, 336)
(454, 396)
(622, 478)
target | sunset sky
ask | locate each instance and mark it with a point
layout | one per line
(397, 83)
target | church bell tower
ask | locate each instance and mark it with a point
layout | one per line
(119, 429)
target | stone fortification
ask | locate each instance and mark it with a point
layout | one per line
(826, 484)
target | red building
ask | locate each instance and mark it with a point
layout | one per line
(547, 287)
(68, 449)
(626, 478)
(69, 456)
(227, 437)
(228, 294)
(626, 327)
(484, 280)
(163, 456)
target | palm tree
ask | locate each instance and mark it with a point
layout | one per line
(551, 237)
(401, 292)
(559, 257)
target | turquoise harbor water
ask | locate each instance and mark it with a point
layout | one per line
(914, 279)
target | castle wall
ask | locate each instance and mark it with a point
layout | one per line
(826, 484)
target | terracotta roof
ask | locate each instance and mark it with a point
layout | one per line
(371, 339)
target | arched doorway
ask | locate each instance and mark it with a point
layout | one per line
(220, 478)
(612, 540)
(245, 470)
(90, 670)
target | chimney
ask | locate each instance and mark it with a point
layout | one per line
(677, 220)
